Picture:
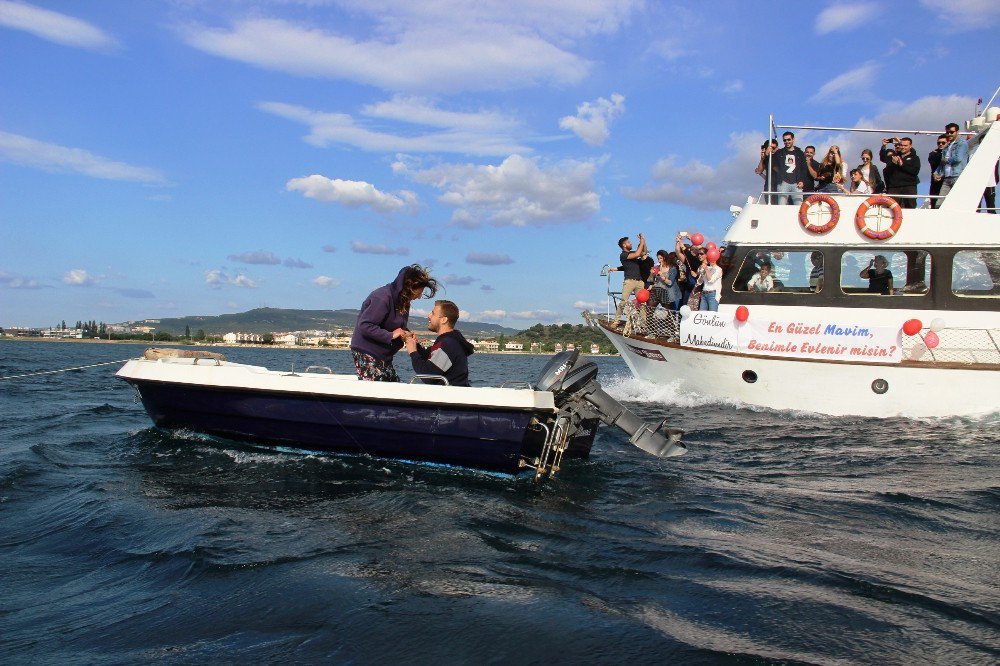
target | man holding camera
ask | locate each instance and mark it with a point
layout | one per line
(901, 168)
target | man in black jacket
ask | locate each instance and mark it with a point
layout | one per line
(901, 168)
(934, 159)
(449, 355)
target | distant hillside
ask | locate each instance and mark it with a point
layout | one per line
(270, 320)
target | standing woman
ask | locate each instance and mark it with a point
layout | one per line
(378, 335)
(711, 282)
(869, 172)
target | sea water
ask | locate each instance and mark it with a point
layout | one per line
(779, 537)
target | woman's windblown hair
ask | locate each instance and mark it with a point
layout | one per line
(416, 277)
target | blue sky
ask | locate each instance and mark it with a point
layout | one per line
(184, 158)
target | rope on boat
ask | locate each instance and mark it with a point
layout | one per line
(52, 372)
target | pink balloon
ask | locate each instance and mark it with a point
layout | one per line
(931, 339)
(711, 246)
(697, 239)
(712, 256)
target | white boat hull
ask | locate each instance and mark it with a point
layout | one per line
(838, 389)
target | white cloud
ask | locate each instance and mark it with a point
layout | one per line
(492, 315)
(352, 193)
(481, 133)
(518, 192)
(422, 56)
(359, 247)
(848, 86)
(260, 258)
(217, 278)
(488, 259)
(54, 27)
(733, 87)
(845, 16)
(12, 281)
(78, 277)
(325, 281)
(592, 121)
(965, 15)
(586, 305)
(51, 157)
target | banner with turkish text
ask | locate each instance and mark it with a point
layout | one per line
(798, 337)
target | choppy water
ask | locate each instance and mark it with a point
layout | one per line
(779, 537)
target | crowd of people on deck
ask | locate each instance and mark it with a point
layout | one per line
(689, 275)
(789, 172)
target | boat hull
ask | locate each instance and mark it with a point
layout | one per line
(492, 440)
(833, 388)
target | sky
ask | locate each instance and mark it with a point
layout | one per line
(183, 157)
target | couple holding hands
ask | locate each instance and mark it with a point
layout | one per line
(382, 330)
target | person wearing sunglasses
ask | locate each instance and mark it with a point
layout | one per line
(934, 160)
(790, 172)
(953, 159)
(869, 172)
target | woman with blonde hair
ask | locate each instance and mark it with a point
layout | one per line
(831, 171)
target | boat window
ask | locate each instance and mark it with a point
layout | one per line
(781, 271)
(976, 274)
(887, 272)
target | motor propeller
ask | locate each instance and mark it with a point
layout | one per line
(577, 391)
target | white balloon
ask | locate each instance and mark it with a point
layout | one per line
(937, 324)
(685, 310)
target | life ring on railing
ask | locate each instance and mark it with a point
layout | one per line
(860, 220)
(819, 199)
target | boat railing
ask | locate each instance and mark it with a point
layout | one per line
(975, 133)
(966, 346)
(430, 379)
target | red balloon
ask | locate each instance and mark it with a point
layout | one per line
(932, 340)
(711, 246)
(642, 296)
(742, 313)
(697, 239)
(912, 326)
(712, 256)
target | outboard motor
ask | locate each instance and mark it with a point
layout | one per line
(579, 397)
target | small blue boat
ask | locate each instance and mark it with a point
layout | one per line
(507, 429)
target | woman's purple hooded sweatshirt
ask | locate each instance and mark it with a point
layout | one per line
(378, 319)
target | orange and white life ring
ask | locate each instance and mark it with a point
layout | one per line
(882, 201)
(818, 200)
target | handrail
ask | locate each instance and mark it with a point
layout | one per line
(432, 378)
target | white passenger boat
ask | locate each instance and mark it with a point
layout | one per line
(929, 349)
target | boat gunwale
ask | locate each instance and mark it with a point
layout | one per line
(334, 397)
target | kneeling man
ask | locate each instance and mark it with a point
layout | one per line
(449, 355)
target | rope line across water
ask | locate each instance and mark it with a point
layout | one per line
(52, 372)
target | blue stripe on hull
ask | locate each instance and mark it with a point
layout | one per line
(465, 436)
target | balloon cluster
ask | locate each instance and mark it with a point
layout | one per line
(931, 338)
